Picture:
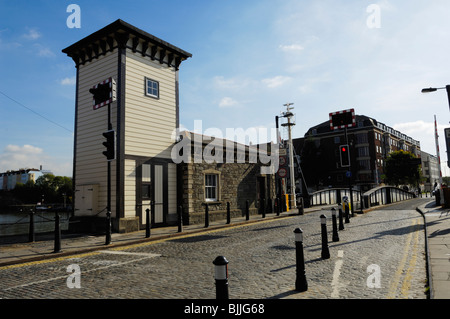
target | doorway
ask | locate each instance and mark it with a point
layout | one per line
(151, 192)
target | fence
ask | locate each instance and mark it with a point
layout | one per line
(332, 196)
(377, 196)
(384, 195)
(43, 221)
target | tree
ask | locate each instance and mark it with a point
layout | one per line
(402, 168)
(54, 188)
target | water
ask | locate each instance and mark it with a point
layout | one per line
(19, 223)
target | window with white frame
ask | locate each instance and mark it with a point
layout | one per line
(151, 88)
(211, 188)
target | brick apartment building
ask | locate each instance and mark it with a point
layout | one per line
(370, 143)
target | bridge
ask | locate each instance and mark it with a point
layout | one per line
(381, 195)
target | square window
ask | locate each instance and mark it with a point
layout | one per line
(146, 191)
(151, 88)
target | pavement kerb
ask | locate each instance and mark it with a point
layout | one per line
(427, 254)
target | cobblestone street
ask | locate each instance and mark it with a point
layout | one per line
(380, 255)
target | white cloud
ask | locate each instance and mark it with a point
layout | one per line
(227, 102)
(415, 128)
(424, 132)
(69, 81)
(32, 34)
(291, 47)
(43, 51)
(276, 81)
(14, 157)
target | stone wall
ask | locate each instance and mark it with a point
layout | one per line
(238, 182)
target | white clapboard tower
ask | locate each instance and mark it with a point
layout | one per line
(144, 112)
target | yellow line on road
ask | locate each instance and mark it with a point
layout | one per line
(45, 261)
(408, 276)
(397, 277)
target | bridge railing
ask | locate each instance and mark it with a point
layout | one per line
(332, 196)
(381, 195)
(384, 195)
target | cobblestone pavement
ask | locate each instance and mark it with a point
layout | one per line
(380, 255)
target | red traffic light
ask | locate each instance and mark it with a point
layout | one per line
(344, 155)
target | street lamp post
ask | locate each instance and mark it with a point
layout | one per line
(447, 88)
(429, 90)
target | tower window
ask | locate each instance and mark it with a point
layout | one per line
(151, 88)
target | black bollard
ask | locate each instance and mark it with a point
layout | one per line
(341, 218)
(57, 246)
(277, 206)
(228, 213)
(247, 211)
(325, 251)
(335, 230)
(263, 209)
(31, 227)
(300, 281)
(206, 216)
(347, 213)
(108, 228)
(148, 223)
(180, 219)
(221, 277)
(301, 207)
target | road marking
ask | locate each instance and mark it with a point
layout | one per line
(45, 261)
(397, 277)
(116, 252)
(336, 274)
(407, 280)
(83, 272)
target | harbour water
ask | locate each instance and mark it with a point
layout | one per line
(19, 223)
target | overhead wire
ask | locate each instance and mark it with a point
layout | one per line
(33, 111)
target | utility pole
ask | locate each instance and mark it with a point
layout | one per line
(288, 114)
(436, 137)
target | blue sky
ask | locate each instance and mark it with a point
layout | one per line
(249, 58)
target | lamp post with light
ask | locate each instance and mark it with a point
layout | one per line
(429, 90)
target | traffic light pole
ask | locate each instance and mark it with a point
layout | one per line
(350, 186)
(108, 189)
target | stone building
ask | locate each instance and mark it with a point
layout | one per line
(231, 175)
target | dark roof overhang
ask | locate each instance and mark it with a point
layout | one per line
(117, 35)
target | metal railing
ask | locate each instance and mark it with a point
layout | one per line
(332, 196)
(381, 195)
(384, 195)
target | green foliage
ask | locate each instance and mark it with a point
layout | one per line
(49, 187)
(401, 170)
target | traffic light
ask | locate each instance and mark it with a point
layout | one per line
(110, 145)
(344, 153)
